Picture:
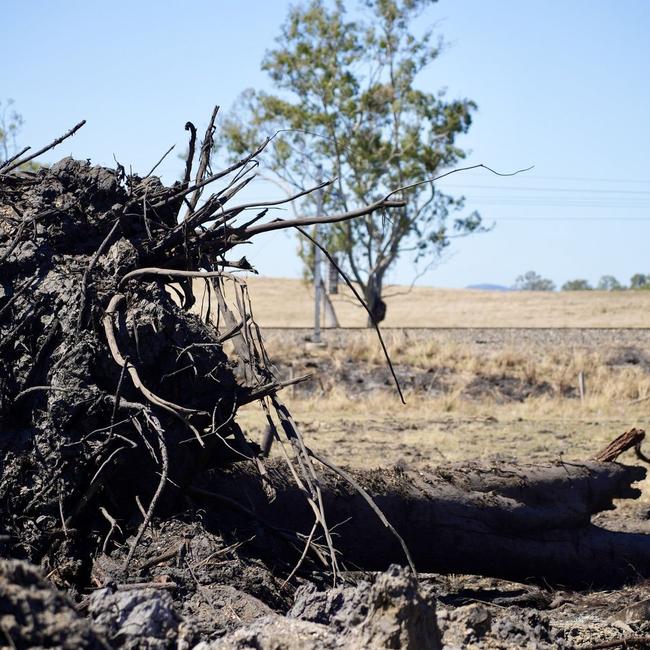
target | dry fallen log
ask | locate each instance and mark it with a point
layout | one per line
(512, 521)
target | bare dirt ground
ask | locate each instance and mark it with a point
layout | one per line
(490, 394)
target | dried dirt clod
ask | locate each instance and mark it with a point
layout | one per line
(636, 613)
(398, 616)
(216, 609)
(340, 608)
(278, 633)
(136, 619)
(391, 613)
(480, 626)
(33, 614)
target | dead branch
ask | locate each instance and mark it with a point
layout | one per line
(204, 160)
(280, 224)
(627, 440)
(14, 157)
(173, 273)
(215, 177)
(52, 144)
(190, 153)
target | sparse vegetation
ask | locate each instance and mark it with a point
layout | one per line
(531, 281)
(468, 394)
(577, 285)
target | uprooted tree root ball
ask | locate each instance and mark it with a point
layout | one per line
(125, 477)
(120, 394)
(114, 395)
(102, 376)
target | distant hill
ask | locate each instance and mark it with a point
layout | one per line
(489, 287)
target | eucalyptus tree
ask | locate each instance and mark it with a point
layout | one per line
(347, 107)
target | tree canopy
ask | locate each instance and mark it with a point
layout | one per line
(577, 285)
(640, 281)
(609, 283)
(531, 281)
(348, 108)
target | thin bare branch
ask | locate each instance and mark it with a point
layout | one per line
(214, 177)
(53, 144)
(455, 171)
(280, 224)
(14, 157)
(164, 472)
(153, 169)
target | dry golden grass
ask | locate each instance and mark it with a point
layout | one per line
(372, 429)
(289, 303)
(468, 415)
(553, 367)
(378, 431)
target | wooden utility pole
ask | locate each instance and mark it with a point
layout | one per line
(318, 285)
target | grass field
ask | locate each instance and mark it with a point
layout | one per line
(490, 394)
(476, 385)
(289, 303)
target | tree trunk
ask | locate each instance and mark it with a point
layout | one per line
(504, 520)
(372, 295)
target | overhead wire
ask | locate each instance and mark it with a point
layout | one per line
(545, 196)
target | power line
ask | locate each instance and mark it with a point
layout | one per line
(546, 189)
(577, 178)
(551, 218)
(585, 204)
(600, 200)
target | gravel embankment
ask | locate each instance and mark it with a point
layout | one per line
(594, 338)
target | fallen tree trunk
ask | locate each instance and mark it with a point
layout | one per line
(519, 522)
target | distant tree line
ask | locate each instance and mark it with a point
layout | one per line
(532, 281)
(11, 123)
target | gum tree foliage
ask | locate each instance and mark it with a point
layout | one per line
(609, 283)
(10, 124)
(346, 90)
(577, 285)
(531, 281)
(640, 281)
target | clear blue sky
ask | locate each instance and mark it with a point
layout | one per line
(559, 85)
